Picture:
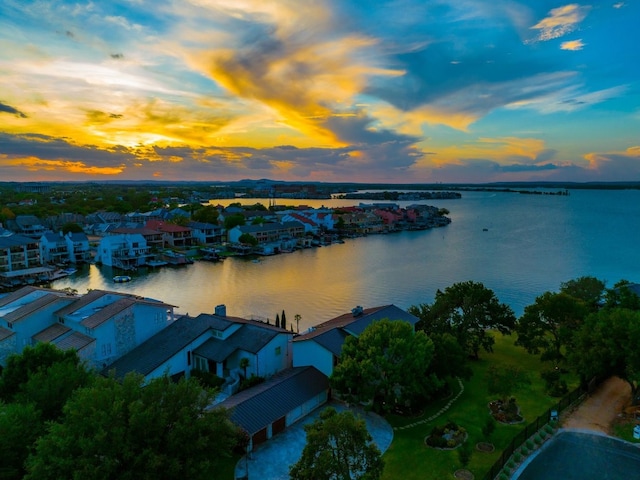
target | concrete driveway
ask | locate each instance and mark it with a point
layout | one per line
(272, 459)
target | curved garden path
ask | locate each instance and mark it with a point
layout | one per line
(438, 413)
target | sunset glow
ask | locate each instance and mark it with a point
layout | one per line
(413, 91)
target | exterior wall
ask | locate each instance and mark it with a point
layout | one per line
(106, 345)
(149, 320)
(269, 361)
(125, 332)
(309, 352)
(307, 407)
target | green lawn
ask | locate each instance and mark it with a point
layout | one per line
(409, 457)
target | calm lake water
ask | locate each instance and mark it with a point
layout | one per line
(531, 245)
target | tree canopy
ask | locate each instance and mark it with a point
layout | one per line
(338, 447)
(588, 289)
(468, 311)
(127, 431)
(388, 364)
(607, 344)
(547, 326)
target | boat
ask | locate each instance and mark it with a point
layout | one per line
(121, 279)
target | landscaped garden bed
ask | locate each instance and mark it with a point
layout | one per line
(446, 437)
(506, 411)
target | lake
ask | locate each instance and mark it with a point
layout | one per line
(517, 245)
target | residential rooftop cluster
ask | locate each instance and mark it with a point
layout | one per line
(118, 333)
(33, 251)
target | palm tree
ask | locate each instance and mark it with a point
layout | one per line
(244, 363)
(297, 318)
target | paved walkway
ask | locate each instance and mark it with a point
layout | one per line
(272, 459)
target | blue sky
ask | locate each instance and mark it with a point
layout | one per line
(399, 91)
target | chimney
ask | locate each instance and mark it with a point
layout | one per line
(221, 310)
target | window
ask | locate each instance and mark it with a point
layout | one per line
(278, 350)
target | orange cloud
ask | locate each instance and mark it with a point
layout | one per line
(34, 164)
(572, 45)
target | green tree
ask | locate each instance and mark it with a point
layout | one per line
(505, 380)
(21, 425)
(547, 326)
(20, 367)
(449, 359)
(388, 364)
(248, 239)
(244, 364)
(231, 221)
(622, 296)
(71, 227)
(607, 345)
(48, 389)
(206, 214)
(338, 447)
(588, 289)
(468, 311)
(133, 431)
(283, 320)
(297, 317)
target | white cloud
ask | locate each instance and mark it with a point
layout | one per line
(560, 21)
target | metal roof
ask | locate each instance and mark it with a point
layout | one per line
(250, 338)
(76, 341)
(37, 304)
(151, 354)
(255, 408)
(51, 333)
(5, 333)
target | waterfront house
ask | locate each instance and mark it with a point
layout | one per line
(54, 248)
(214, 343)
(100, 325)
(154, 238)
(58, 248)
(280, 235)
(268, 408)
(321, 345)
(173, 235)
(27, 225)
(24, 313)
(206, 233)
(78, 246)
(20, 260)
(128, 251)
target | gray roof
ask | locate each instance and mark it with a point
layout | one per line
(76, 341)
(332, 340)
(250, 338)
(51, 333)
(17, 295)
(31, 307)
(107, 312)
(15, 241)
(151, 354)
(5, 333)
(353, 325)
(255, 408)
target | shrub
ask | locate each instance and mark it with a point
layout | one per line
(529, 444)
(511, 464)
(464, 454)
(524, 451)
(252, 381)
(207, 379)
(548, 428)
(517, 456)
(488, 428)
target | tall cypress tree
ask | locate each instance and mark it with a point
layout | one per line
(277, 320)
(283, 321)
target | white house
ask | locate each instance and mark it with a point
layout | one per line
(321, 345)
(24, 313)
(100, 325)
(54, 248)
(213, 343)
(123, 251)
(118, 322)
(78, 246)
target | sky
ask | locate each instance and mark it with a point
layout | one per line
(400, 91)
